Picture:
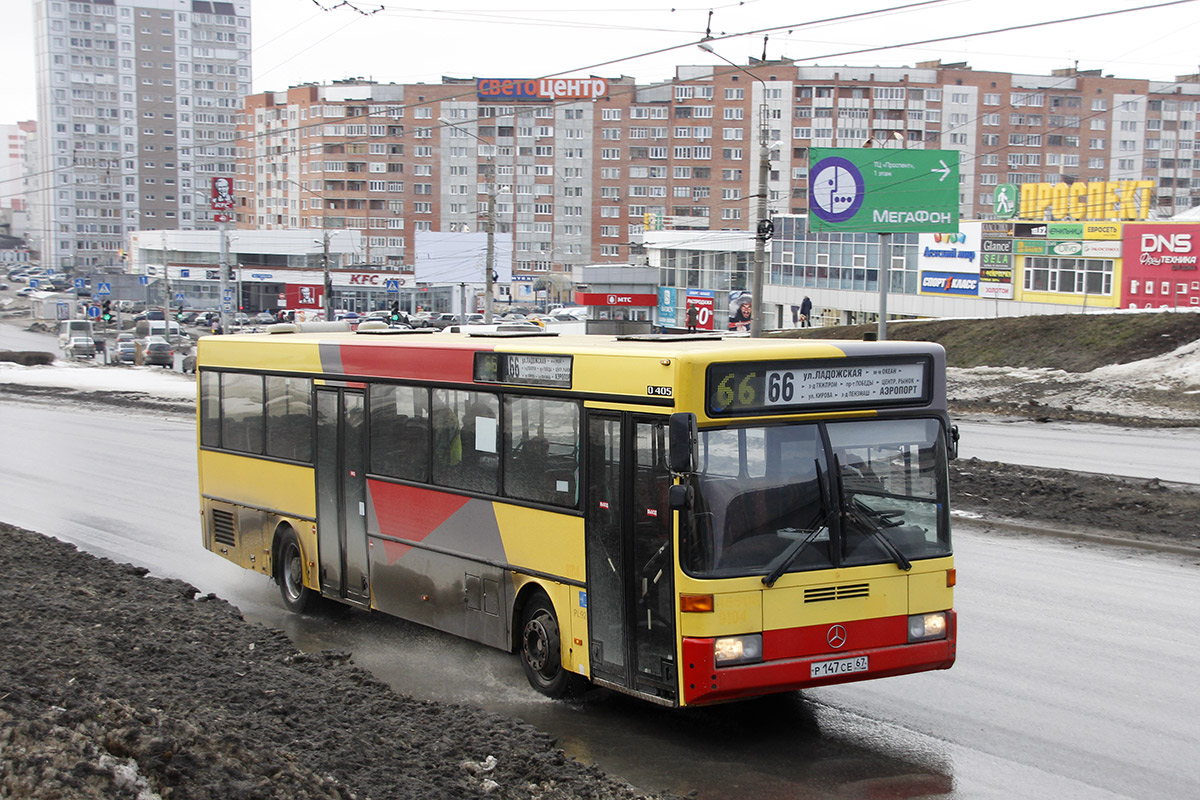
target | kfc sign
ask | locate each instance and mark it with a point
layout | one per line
(222, 196)
(304, 296)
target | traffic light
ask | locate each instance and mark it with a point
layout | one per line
(395, 317)
(106, 311)
(179, 314)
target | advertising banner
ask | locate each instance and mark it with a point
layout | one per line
(303, 296)
(705, 302)
(996, 276)
(615, 299)
(951, 252)
(1102, 230)
(1066, 249)
(221, 198)
(1102, 249)
(1026, 230)
(1064, 230)
(883, 191)
(1161, 266)
(666, 305)
(955, 283)
(543, 89)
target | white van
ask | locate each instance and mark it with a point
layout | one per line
(167, 329)
(71, 328)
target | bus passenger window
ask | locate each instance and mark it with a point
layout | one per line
(242, 412)
(210, 409)
(400, 432)
(289, 418)
(541, 452)
(463, 451)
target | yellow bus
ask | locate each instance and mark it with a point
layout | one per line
(688, 519)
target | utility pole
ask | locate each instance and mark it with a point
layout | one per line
(328, 279)
(224, 315)
(764, 229)
(491, 243)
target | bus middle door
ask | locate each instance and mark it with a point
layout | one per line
(630, 563)
(342, 495)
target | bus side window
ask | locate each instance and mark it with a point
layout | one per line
(463, 436)
(400, 432)
(541, 454)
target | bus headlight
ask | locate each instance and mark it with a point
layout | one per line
(730, 650)
(922, 627)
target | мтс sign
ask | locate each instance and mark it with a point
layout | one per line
(883, 191)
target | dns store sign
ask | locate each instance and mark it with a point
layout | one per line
(1161, 266)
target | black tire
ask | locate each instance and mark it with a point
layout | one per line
(289, 574)
(541, 649)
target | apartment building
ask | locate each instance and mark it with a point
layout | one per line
(136, 107)
(576, 168)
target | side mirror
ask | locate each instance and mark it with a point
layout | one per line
(679, 496)
(683, 437)
(952, 446)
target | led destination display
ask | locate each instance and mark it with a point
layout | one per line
(776, 387)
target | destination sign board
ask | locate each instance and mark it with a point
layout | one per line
(777, 387)
(524, 369)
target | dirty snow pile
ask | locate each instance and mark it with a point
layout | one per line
(1165, 387)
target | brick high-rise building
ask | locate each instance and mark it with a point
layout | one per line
(575, 176)
(136, 105)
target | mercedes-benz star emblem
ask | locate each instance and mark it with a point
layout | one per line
(836, 636)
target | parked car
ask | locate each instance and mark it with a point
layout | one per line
(158, 352)
(265, 318)
(28, 290)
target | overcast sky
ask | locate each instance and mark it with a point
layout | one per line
(296, 41)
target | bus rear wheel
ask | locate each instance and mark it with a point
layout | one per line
(289, 574)
(541, 651)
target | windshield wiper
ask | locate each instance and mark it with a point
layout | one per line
(781, 562)
(789, 556)
(863, 515)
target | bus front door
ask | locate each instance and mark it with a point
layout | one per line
(342, 495)
(631, 612)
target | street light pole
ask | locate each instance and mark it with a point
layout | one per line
(490, 266)
(764, 228)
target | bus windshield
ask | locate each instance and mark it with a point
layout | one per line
(786, 498)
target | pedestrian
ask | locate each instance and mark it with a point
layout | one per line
(806, 313)
(693, 317)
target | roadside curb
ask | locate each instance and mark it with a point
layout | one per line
(1112, 538)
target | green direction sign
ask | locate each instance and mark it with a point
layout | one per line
(1004, 201)
(882, 191)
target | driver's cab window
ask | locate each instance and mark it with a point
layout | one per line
(890, 496)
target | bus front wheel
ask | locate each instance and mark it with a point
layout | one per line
(289, 574)
(541, 651)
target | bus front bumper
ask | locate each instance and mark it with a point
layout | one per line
(704, 682)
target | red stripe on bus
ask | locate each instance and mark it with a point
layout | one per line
(410, 512)
(424, 363)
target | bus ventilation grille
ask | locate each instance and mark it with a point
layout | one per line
(820, 594)
(223, 528)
